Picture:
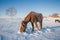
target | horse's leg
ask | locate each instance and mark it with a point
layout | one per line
(40, 19)
(35, 25)
(40, 23)
(32, 26)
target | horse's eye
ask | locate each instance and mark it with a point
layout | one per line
(24, 24)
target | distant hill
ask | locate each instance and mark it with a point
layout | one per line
(55, 15)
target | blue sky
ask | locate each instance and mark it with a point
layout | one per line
(23, 7)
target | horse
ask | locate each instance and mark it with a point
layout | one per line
(32, 17)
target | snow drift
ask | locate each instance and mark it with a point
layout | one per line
(9, 30)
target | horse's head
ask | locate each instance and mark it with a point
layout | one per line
(22, 26)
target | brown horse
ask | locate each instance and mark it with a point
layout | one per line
(32, 17)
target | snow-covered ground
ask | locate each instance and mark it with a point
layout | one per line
(9, 30)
